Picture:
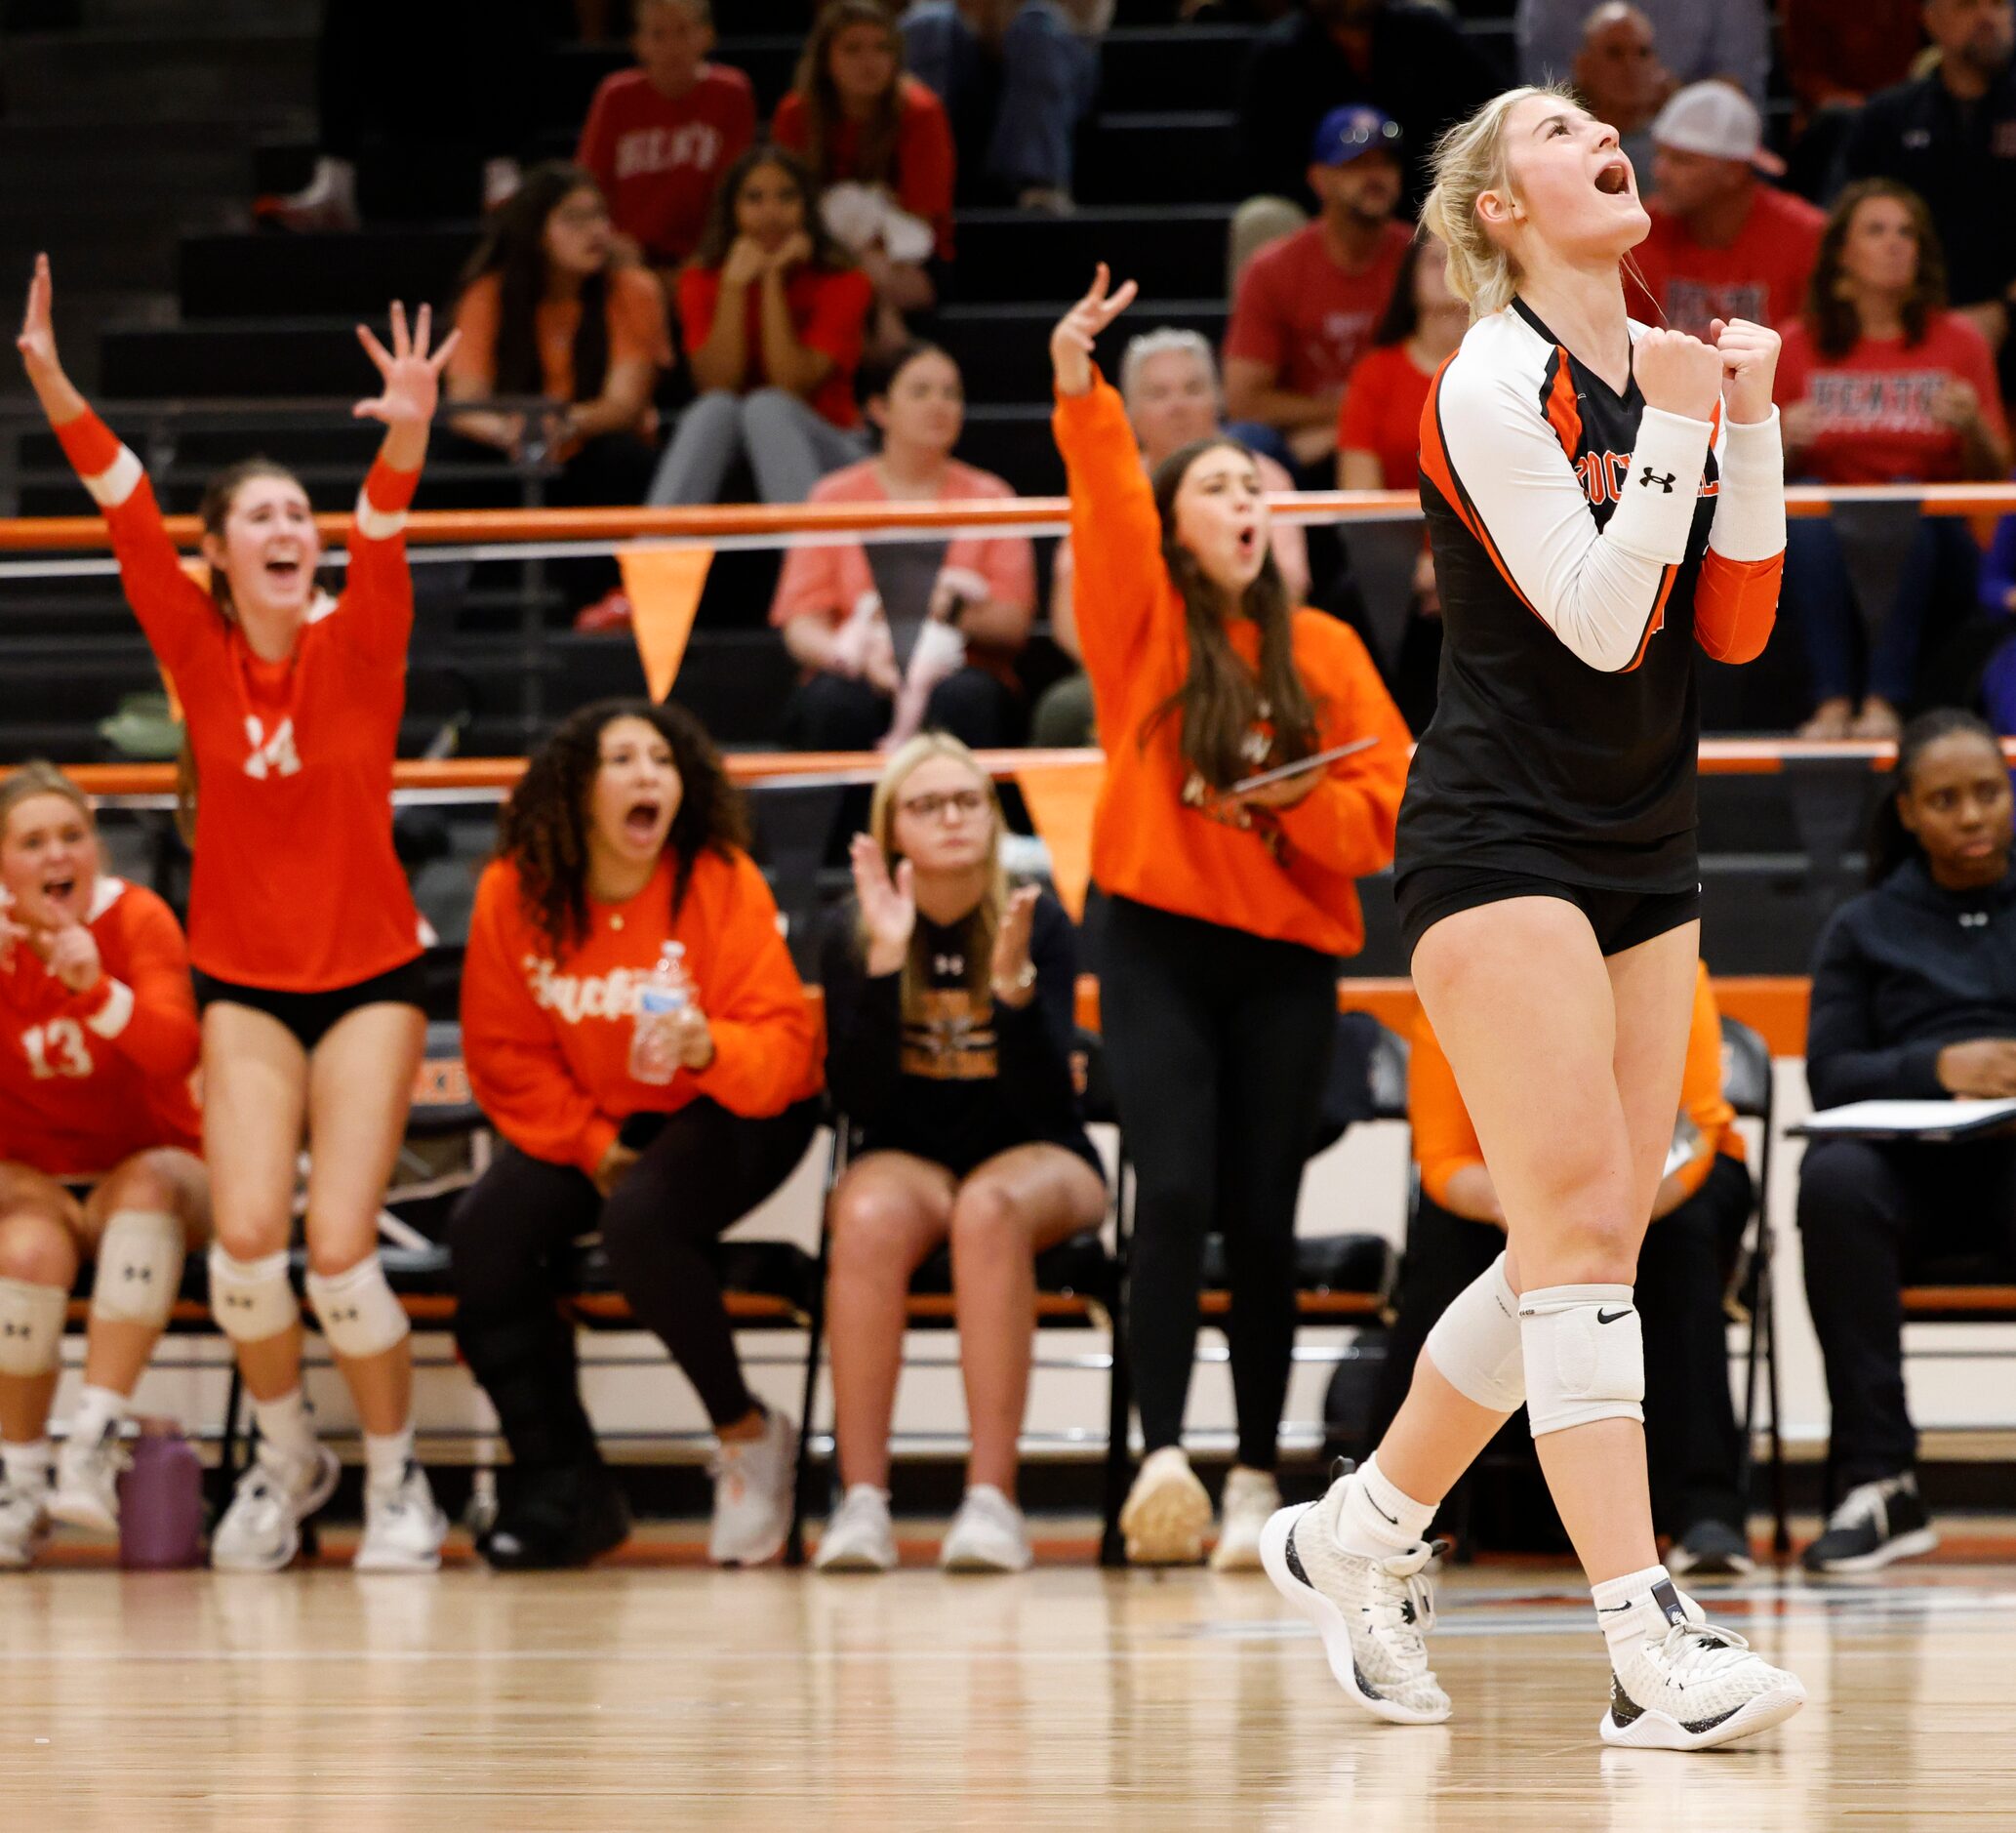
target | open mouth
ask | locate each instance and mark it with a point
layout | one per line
(1614, 179)
(1248, 543)
(58, 890)
(284, 570)
(640, 820)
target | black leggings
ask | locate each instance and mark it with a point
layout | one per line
(1219, 1042)
(1872, 1217)
(513, 1240)
(1693, 1449)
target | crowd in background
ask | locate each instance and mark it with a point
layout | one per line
(793, 258)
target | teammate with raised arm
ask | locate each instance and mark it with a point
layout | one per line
(1599, 496)
(302, 929)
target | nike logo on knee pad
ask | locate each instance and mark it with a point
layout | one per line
(1611, 1317)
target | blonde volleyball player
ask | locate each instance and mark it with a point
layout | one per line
(1600, 498)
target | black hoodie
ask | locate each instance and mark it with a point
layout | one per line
(1901, 972)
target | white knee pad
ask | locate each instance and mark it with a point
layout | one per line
(140, 1268)
(1478, 1344)
(31, 1327)
(251, 1299)
(358, 1313)
(1585, 1356)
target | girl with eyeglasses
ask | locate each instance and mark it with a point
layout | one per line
(950, 1004)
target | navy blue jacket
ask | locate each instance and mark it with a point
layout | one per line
(1901, 972)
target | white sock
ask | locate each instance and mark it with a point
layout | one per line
(386, 1458)
(27, 1465)
(1615, 1597)
(98, 1415)
(286, 1427)
(1377, 1520)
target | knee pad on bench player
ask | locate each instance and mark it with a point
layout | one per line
(357, 1311)
(251, 1299)
(1585, 1356)
(31, 1327)
(1478, 1344)
(140, 1268)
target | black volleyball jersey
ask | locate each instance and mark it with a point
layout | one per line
(1582, 541)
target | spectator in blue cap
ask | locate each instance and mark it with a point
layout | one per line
(1307, 304)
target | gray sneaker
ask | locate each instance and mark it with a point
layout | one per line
(23, 1523)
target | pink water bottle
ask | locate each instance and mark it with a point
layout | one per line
(161, 1502)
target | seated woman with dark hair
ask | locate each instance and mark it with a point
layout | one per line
(544, 310)
(1911, 999)
(912, 634)
(949, 1004)
(880, 145)
(773, 312)
(1880, 384)
(633, 1025)
(1699, 1214)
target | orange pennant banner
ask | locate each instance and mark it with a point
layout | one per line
(664, 585)
(1061, 799)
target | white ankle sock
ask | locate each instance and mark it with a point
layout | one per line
(1615, 1597)
(27, 1465)
(100, 1413)
(1377, 1520)
(286, 1427)
(386, 1458)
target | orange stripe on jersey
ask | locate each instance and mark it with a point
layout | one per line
(1439, 471)
(1735, 605)
(1563, 414)
(1657, 620)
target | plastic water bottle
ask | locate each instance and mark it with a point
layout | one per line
(663, 996)
(161, 1502)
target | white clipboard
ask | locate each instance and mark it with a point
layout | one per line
(1321, 760)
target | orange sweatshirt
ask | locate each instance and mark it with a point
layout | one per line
(548, 1039)
(1446, 1142)
(1289, 874)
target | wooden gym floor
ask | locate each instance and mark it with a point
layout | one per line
(658, 1693)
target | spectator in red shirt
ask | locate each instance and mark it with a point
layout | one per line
(1378, 441)
(1880, 382)
(881, 148)
(659, 138)
(1307, 304)
(1723, 245)
(773, 314)
(908, 634)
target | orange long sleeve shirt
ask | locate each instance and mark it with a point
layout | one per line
(547, 1038)
(1447, 1143)
(1291, 875)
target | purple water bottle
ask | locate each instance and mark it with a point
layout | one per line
(161, 1502)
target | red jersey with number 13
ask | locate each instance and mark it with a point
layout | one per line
(296, 888)
(89, 1079)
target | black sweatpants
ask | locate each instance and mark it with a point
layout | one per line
(1217, 1042)
(1692, 1443)
(1872, 1216)
(511, 1241)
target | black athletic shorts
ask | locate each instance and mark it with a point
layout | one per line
(1621, 920)
(313, 1016)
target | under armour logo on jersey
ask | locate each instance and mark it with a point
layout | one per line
(952, 965)
(270, 757)
(1973, 919)
(1649, 477)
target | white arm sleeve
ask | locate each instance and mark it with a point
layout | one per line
(1597, 590)
(1750, 506)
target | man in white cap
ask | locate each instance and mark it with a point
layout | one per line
(1723, 243)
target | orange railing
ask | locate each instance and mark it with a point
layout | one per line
(88, 533)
